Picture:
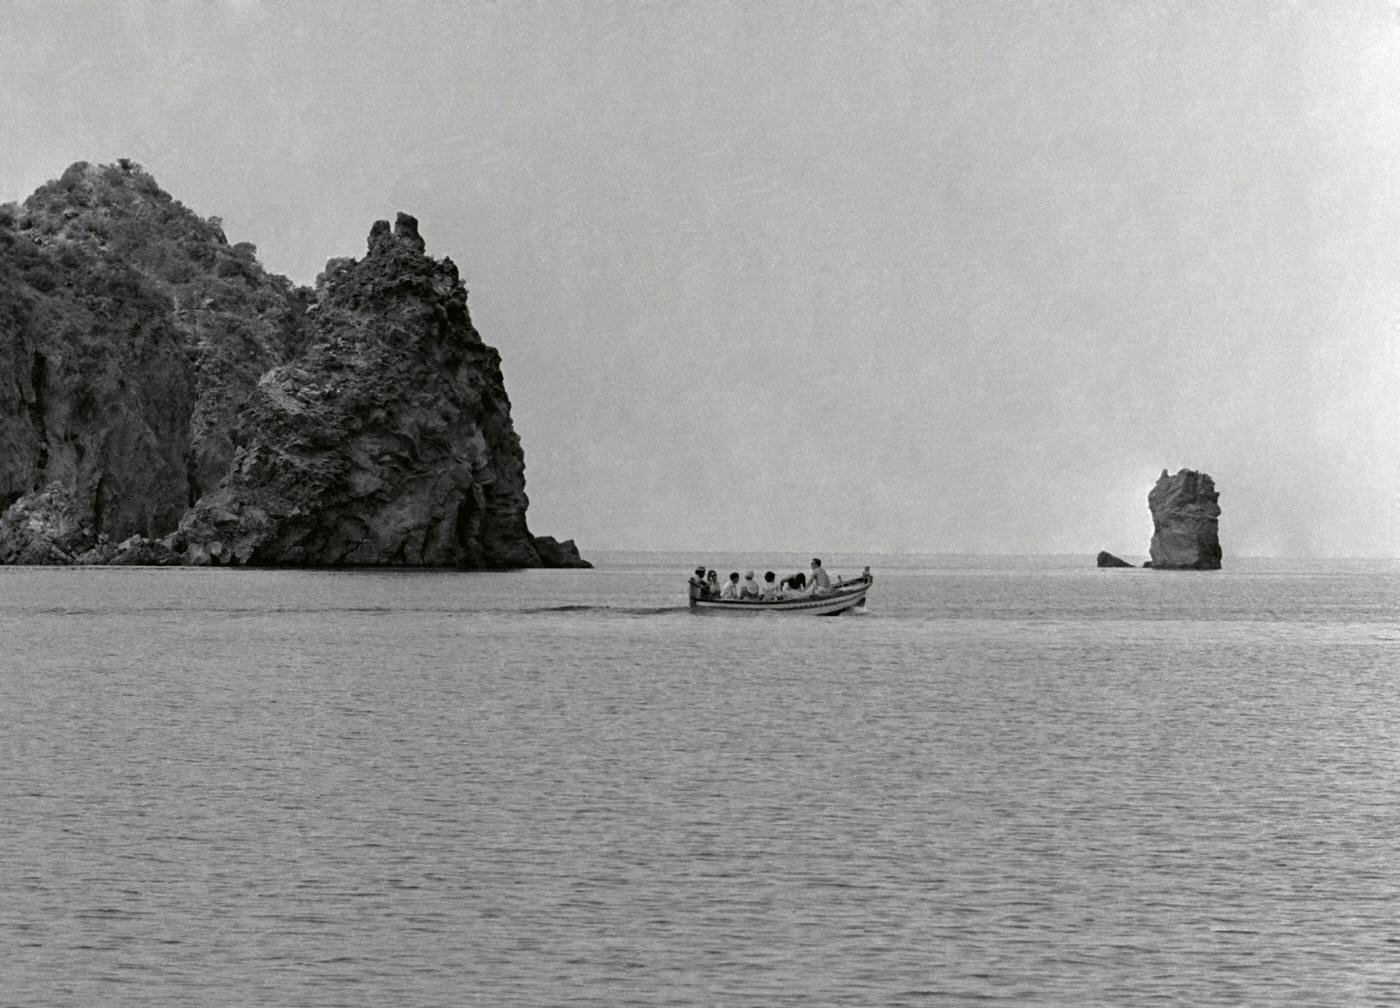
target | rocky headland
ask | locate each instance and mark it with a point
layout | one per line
(172, 402)
(1185, 522)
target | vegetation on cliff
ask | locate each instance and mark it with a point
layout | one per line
(178, 403)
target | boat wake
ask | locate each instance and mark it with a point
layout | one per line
(614, 610)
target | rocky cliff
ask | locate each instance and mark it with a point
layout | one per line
(1185, 513)
(171, 401)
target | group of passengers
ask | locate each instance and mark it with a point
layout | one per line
(705, 585)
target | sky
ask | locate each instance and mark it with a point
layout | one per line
(881, 277)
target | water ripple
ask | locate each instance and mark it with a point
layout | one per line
(515, 790)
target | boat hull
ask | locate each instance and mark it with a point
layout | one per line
(842, 597)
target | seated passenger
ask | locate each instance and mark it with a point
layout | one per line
(771, 591)
(749, 589)
(795, 584)
(731, 587)
(712, 579)
(821, 580)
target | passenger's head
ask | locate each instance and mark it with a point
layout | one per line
(748, 575)
(769, 576)
(816, 562)
(699, 571)
(734, 575)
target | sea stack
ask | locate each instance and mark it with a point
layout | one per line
(1185, 513)
(1107, 559)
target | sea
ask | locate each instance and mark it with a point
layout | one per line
(1010, 781)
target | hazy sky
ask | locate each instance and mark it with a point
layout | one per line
(939, 277)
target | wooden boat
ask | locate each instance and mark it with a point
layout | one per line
(843, 595)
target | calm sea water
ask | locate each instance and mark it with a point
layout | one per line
(1012, 781)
